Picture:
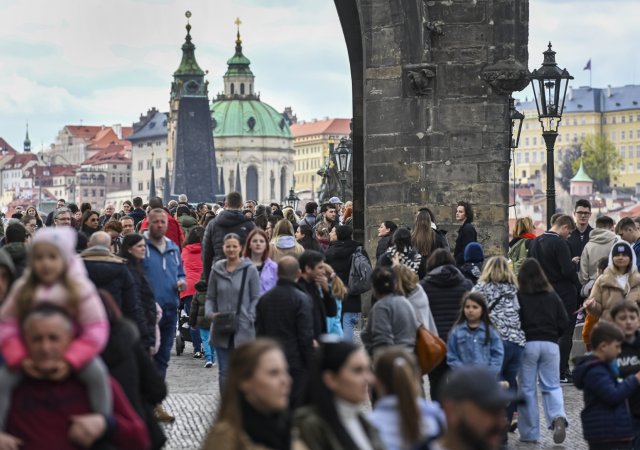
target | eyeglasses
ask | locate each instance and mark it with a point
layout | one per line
(583, 213)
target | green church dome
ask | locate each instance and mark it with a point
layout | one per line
(236, 117)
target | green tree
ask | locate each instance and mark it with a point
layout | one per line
(567, 172)
(601, 160)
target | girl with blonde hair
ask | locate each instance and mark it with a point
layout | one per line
(283, 241)
(407, 285)
(338, 290)
(499, 285)
(519, 245)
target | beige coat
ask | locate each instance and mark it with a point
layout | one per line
(277, 253)
(607, 292)
(599, 246)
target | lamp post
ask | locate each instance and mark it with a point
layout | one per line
(292, 200)
(550, 85)
(516, 124)
(343, 156)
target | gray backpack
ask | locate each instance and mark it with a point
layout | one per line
(360, 273)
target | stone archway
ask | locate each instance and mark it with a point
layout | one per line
(431, 81)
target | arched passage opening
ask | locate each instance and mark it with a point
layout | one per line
(252, 183)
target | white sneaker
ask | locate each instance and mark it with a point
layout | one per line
(208, 365)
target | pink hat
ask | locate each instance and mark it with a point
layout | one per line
(64, 239)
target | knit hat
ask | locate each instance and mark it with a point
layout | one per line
(64, 239)
(473, 253)
(622, 249)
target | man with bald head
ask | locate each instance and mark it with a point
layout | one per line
(110, 272)
(285, 314)
(107, 214)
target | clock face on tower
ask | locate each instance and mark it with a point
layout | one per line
(192, 86)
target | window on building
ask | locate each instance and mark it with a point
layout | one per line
(637, 151)
(70, 140)
(147, 185)
(575, 121)
(93, 192)
(140, 165)
(583, 121)
(128, 180)
(233, 89)
(518, 158)
(583, 135)
(638, 134)
(85, 192)
(113, 179)
(140, 145)
(241, 88)
(148, 164)
(622, 134)
(101, 192)
(623, 152)
(535, 157)
(559, 138)
(115, 167)
(526, 141)
(631, 168)
(535, 141)
(140, 186)
(613, 119)
(575, 137)
(630, 118)
(120, 179)
(623, 119)
(541, 156)
(149, 144)
(526, 157)
(638, 167)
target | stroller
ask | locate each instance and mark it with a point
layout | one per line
(183, 333)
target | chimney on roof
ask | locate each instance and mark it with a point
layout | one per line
(117, 129)
(609, 94)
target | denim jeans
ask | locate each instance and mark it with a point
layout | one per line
(195, 334)
(223, 355)
(540, 363)
(167, 327)
(209, 353)
(349, 322)
(510, 367)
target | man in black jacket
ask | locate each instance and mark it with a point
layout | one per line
(231, 220)
(110, 272)
(314, 282)
(553, 254)
(579, 237)
(284, 313)
(138, 214)
(339, 256)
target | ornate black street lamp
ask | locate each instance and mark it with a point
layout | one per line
(516, 123)
(292, 200)
(343, 156)
(550, 84)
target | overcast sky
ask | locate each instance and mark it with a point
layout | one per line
(65, 61)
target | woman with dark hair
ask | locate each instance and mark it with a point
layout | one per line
(445, 285)
(127, 207)
(261, 216)
(402, 250)
(129, 364)
(331, 418)
(192, 262)
(544, 320)
(305, 237)
(392, 320)
(385, 233)
(133, 250)
(466, 233)
(423, 236)
(233, 289)
(253, 413)
(90, 223)
(401, 415)
(256, 249)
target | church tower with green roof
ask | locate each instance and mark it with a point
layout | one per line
(254, 145)
(192, 160)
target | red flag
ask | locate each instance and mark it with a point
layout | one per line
(588, 66)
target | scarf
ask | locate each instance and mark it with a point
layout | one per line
(408, 258)
(270, 430)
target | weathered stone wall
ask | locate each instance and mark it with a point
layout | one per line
(436, 77)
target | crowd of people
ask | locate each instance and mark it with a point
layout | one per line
(90, 303)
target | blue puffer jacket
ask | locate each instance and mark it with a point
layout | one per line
(606, 415)
(467, 347)
(163, 271)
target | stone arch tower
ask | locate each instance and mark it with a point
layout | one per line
(431, 86)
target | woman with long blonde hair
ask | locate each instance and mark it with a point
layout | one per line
(338, 290)
(424, 237)
(519, 245)
(499, 285)
(407, 285)
(283, 241)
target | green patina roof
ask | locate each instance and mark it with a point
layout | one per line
(233, 118)
(238, 63)
(581, 175)
(188, 65)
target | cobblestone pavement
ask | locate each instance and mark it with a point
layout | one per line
(193, 397)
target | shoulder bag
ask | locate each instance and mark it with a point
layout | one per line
(226, 323)
(430, 350)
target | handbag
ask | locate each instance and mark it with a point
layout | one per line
(430, 350)
(226, 323)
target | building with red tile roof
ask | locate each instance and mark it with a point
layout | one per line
(108, 170)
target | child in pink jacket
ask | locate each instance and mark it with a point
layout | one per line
(57, 276)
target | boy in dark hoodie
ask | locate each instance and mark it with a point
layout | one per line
(626, 315)
(473, 262)
(606, 422)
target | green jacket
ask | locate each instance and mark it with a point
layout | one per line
(196, 314)
(517, 254)
(187, 223)
(316, 434)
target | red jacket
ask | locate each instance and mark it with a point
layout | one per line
(174, 230)
(192, 262)
(40, 415)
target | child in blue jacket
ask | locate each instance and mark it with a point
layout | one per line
(606, 421)
(473, 340)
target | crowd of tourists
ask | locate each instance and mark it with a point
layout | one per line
(273, 299)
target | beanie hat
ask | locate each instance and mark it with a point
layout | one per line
(621, 249)
(64, 239)
(473, 253)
